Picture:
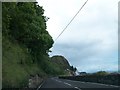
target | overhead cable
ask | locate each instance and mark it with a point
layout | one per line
(71, 20)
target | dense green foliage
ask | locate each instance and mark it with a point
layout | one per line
(25, 23)
(26, 43)
(15, 73)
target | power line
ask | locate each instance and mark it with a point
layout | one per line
(71, 21)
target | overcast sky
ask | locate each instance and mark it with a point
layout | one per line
(90, 43)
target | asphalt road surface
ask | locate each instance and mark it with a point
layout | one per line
(56, 83)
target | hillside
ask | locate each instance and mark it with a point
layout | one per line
(63, 64)
(61, 61)
(17, 66)
(26, 44)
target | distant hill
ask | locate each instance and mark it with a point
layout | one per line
(63, 64)
(61, 61)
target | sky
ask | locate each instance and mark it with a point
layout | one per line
(90, 43)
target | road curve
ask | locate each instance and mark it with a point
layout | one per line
(56, 83)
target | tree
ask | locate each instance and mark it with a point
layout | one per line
(25, 22)
(6, 17)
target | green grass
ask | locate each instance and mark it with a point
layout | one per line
(17, 65)
(14, 73)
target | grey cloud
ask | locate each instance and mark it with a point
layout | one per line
(90, 42)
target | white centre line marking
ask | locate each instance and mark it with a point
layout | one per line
(77, 88)
(58, 81)
(67, 84)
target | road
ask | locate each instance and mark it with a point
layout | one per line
(56, 83)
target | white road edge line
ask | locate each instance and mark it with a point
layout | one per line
(94, 83)
(40, 85)
(102, 84)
